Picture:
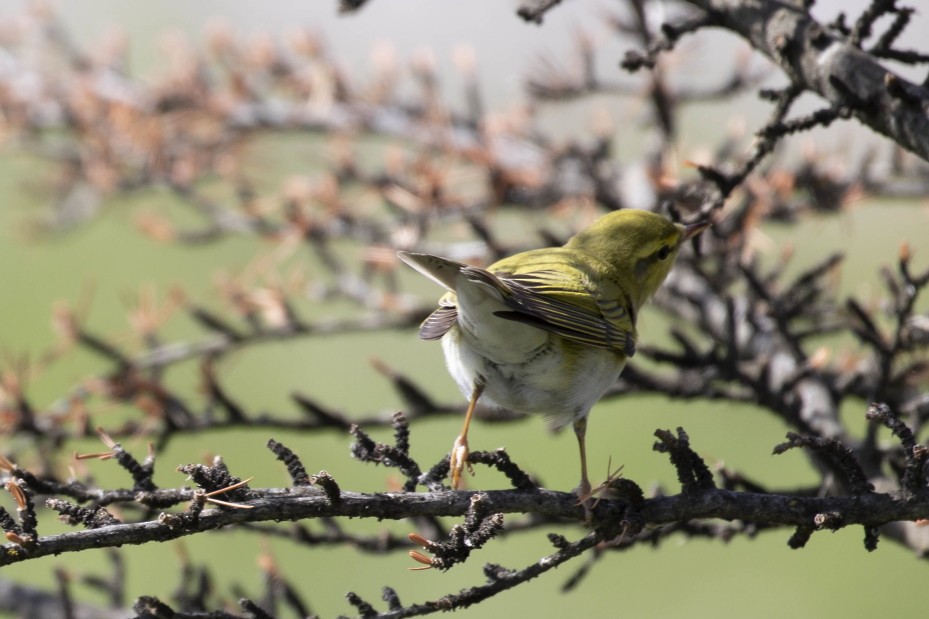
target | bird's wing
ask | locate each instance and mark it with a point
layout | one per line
(441, 320)
(565, 301)
(569, 303)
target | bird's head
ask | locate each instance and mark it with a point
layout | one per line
(640, 246)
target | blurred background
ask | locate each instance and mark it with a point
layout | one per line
(102, 266)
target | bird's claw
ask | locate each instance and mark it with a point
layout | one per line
(611, 476)
(458, 460)
(585, 496)
(588, 497)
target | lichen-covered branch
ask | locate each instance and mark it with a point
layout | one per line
(743, 329)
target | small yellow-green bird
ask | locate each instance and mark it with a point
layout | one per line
(548, 331)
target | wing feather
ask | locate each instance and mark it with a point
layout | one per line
(569, 304)
(547, 289)
(438, 323)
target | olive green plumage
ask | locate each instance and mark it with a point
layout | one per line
(548, 331)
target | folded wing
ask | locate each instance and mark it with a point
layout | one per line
(566, 300)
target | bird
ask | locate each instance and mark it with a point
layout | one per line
(548, 331)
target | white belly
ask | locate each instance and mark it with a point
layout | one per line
(537, 381)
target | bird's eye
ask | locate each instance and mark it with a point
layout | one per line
(664, 252)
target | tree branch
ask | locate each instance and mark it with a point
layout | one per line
(821, 62)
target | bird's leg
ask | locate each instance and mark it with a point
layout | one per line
(583, 491)
(459, 456)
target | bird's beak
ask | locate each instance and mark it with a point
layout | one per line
(692, 230)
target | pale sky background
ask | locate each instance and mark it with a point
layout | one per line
(506, 46)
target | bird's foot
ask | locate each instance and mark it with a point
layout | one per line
(588, 497)
(585, 499)
(458, 460)
(607, 484)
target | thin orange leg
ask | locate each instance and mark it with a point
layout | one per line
(459, 456)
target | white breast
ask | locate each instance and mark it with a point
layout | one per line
(534, 381)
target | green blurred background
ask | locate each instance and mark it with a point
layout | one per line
(833, 577)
